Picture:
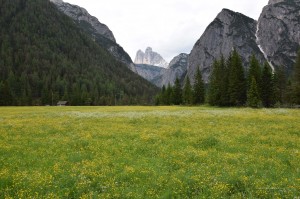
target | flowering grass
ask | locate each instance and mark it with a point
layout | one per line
(149, 152)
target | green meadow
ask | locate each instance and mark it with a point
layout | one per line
(149, 152)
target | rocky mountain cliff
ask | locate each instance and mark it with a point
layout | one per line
(274, 38)
(98, 31)
(229, 30)
(80, 14)
(150, 58)
(150, 73)
(279, 32)
(176, 69)
(163, 76)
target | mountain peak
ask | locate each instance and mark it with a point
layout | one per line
(226, 10)
(80, 14)
(275, 1)
(229, 30)
(180, 59)
(150, 58)
(148, 49)
(227, 15)
(57, 1)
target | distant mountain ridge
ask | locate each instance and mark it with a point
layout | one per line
(149, 57)
(176, 69)
(150, 73)
(161, 76)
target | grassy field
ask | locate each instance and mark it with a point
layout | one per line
(149, 152)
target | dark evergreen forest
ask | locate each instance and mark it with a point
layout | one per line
(45, 57)
(231, 85)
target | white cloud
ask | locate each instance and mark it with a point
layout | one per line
(170, 27)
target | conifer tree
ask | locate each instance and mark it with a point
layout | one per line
(214, 86)
(224, 81)
(169, 93)
(218, 91)
(253, 99)
(254, 71)
(187, 92)
(280, 86)
(288, 98)
(177, 93)
(199, 90)
(12, 87)
(157, 100)
(237, 83)
(163, 98)
(267, 92)
(296, 82)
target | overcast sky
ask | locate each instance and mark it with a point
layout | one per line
(170, 27)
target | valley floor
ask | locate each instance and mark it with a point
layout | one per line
(149, 152)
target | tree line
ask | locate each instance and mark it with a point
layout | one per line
(231, 85)
(188, 95)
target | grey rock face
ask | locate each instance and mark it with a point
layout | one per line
(150, 73)
(275, 1)
(150, 58)
(57, 1)
(139, 58)
(98, 31)
(176, 69)
(229, 30)
(160, 76)
(279, 32)
(119, 53)
(80, 14)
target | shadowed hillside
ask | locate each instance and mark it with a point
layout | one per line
(45, 57)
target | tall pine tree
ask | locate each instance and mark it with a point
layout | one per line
(280, 85)
(214, 93)
(224, 81)
(199, 90)
(254, 72)
(169, 93)
(177, 93)
(253, 99)
(296, 82)
(237, 82)
(187, 92)
(162, 98)
(267, 88)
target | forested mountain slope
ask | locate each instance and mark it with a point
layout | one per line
(45, 57)
(99, 32)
